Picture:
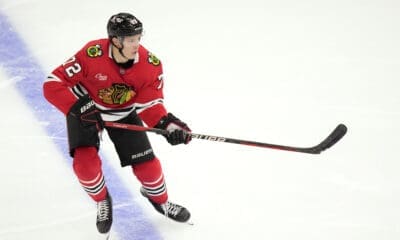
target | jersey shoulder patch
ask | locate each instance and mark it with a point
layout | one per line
(152, 59)
(94, 51)
(95, 48)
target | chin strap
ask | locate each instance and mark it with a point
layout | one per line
(120, 51)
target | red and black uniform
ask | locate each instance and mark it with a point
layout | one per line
(111, 87)
(127, 95)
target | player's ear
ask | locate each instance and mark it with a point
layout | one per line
(116, 42)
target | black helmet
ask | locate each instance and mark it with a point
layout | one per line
(123, 24)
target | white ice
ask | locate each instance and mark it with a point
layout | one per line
(284, 72)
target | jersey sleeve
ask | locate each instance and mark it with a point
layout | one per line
(60, 85)
(150, 99)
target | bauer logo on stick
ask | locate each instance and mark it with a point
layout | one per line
(207, 137)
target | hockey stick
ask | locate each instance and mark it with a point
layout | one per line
(333, 138)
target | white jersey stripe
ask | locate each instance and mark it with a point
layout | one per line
(140, 107)
(52, 78)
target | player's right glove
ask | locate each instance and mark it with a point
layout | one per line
(179, 132)
(86, 113)
(83, 124)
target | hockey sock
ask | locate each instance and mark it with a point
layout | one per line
(87, 167)
(151, 177)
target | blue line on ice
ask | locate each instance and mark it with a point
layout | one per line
(19, 64)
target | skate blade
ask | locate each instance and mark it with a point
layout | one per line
(106, 236)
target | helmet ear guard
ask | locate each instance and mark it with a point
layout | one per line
(118, 43)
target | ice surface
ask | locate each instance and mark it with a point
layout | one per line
(284, 72)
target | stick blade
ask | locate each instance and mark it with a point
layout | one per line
(333, 138)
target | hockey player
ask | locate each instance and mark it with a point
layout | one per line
(116, 79)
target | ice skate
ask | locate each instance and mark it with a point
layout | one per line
(104, 215)
(169, 209)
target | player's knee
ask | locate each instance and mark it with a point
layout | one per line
(86, 161)
(148, 170)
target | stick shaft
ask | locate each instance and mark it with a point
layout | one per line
(335, 136)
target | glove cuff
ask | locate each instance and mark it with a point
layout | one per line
(170, 123)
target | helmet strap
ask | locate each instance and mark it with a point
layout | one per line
(124, 65)
(120, 40)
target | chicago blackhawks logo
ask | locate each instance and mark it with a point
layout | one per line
(94, 51)
(116, 94)
(153, 59)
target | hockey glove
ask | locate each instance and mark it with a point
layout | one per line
(86, 113)
(179, 132)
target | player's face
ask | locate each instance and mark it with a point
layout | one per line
(131, 46)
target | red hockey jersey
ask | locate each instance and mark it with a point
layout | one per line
(115, 90)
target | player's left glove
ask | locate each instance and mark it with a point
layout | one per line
(179, 132)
